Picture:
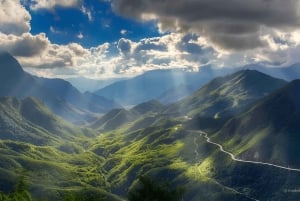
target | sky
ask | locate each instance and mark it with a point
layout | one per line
(116, 38)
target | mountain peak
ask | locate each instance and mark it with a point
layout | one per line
(250, 73)
(9, 66)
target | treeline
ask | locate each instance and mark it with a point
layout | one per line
(20, 192)
(146, 190)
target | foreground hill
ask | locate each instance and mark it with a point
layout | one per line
(51, 153)
(226, 96)
(268, 131)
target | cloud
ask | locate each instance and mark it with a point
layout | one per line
(235, 25)
(230, 37)
(57, 56)
(127, 57)
(80, 36)
(51, 4)
(14, 18)
(123, 31)
(87, 12)
(25, 45)
(124, 46)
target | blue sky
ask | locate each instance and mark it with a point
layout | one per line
(116, 38)
(65, 25)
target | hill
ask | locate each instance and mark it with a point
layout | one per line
(268, 131)
(30, 121)
(226, 96)
(87, 101)
(121, 117)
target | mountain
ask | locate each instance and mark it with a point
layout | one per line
(15, 82)
(66, 162)
(153, 84)
(84, 84)
(121, 117)
(268, 131)
(175, 94)
(28, 120)
(153, 106)
(225, 96)
(288, 73)
(59, 95)
(114, 119)
(87, 101)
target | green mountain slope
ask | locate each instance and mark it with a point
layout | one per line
(30, 121)
(121, 117)
(61, 160)
(269, 131)
(225, 96)
(168, 151)
(52, 152)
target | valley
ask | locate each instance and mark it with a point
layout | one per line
(234, 138)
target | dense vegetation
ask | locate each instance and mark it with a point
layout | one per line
(132, 153)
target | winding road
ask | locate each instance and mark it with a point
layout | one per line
(240, 160)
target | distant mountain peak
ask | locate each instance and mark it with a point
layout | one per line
(9, 66)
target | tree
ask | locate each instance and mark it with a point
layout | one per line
(21, 190)
(152, 191)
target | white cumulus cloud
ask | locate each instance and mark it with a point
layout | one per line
(51, 4)
(14, 18)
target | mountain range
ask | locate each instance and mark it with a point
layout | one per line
(59, 95)
(169, 86)
(225, 96)
(251, 115)
(155, 84)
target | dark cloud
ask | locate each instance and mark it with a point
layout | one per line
(188, 44)
(25, 45)
(151, 44)
(230, 24)
(29, 46)
(124, 46)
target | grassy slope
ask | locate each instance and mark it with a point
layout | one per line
(225, 96)
(269, 130)
(165, 151)
(52, 152)
(148, 144)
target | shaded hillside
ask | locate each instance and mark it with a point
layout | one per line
(87, 101)
(269, 131)
(30, 121)
(17, 83)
